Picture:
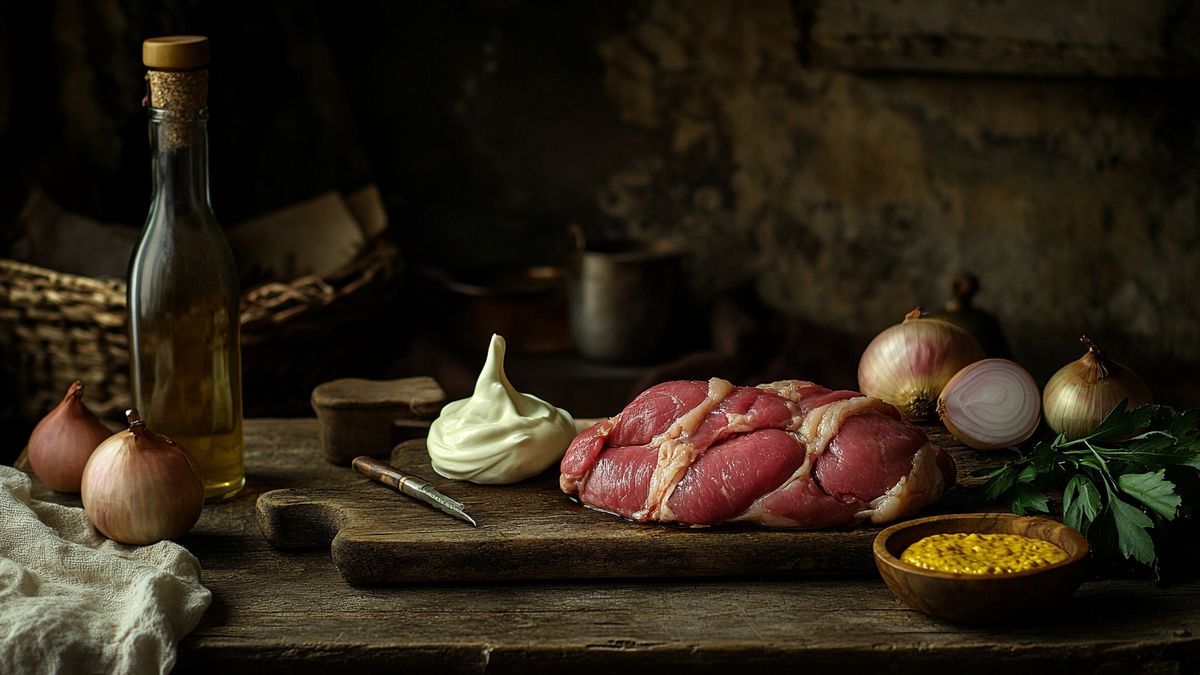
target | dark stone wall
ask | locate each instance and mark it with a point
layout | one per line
(848, 197)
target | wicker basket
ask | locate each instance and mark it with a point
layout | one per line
(55, 328)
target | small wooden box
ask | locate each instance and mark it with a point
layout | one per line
(357, 417)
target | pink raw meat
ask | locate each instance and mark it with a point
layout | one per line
(785, 454)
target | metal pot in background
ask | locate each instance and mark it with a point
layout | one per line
(622, 297)
(525, 305)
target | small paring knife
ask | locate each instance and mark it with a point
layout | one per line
(410, 485)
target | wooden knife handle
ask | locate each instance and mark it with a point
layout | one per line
(384, 473)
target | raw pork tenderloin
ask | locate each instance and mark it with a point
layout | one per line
(785, 454)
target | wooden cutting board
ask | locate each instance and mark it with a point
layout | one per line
(531, 530)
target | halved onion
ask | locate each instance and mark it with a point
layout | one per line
(993, 403)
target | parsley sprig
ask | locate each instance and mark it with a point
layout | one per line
(1121, 484)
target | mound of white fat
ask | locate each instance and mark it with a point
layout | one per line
(499, 435)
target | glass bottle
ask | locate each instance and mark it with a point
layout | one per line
(183, 294)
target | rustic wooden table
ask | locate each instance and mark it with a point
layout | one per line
(291, 612)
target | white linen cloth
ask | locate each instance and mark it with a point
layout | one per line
(73, 601)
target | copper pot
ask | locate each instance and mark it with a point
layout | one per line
(528, 306)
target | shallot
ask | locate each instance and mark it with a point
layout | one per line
(61, 443)
(908, 364)
(140, 487)
(993, 403)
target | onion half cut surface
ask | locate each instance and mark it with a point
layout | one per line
(990, 404)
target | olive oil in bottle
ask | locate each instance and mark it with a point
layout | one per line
(183, 292)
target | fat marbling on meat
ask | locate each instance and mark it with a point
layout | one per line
(784, 454)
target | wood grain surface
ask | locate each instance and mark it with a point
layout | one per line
(291, 612)
(532, 531)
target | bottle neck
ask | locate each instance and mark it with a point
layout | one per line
(179, 147)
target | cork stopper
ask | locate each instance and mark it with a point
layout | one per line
(175, 52)
(178, 75)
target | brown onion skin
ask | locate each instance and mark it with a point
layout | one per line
(1081, 393)
(63, 440)
(140, 487)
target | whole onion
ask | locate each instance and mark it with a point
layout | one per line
(908, 364)
(140, 487)
(1082, 392)
(61, 443)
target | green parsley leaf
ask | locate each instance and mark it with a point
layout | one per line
(999, 484)
(1029, 500)
(1153, 449)
(1120, 422)
(1132, 526)
(1186, 426)
(1081, 503)
(1152, 489)
(1028, 474)
(1042, 458)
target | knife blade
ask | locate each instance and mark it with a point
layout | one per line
(412, 486)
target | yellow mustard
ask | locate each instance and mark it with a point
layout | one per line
(963, 553)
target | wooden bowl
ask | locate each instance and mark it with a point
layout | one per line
(981, 598)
